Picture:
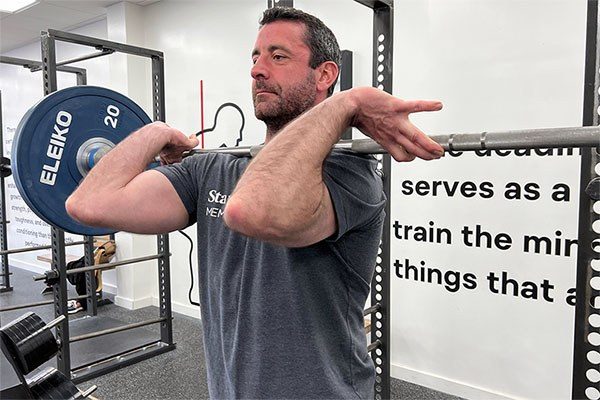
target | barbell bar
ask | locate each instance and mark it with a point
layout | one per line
(502, 140)
(62, 137)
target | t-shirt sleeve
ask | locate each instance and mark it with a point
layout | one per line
(356, 190)
(184, 177)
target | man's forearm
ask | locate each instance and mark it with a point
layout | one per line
(282, 189)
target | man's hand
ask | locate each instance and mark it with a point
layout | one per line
(384, 118)
(177, 143)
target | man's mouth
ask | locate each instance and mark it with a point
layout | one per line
(263, 91)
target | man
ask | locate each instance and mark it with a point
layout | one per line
(287, 242)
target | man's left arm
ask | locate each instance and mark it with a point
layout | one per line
(281, 197)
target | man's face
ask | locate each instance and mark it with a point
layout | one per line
(284, 85)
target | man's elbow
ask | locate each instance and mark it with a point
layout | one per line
(254, 222)
(82, 212)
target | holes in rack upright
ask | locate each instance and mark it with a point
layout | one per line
(592, 393)
(593, 375)
(594, 320)
(593, 357)
(594, 338)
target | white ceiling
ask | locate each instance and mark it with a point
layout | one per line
(24, 27)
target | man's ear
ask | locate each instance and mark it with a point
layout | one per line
(327, 73)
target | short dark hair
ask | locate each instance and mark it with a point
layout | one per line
(319, 38)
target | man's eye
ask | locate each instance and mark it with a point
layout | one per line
(278, 57)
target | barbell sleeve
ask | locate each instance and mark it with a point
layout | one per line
(502, 140)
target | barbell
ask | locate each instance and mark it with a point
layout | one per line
(62, 137)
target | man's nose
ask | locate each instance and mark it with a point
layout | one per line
(259, 69)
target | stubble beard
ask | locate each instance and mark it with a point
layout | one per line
(287, 106)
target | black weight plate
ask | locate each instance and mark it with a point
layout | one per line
(47, 140)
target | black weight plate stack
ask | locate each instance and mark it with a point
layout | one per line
(51, 384)
(28, 351)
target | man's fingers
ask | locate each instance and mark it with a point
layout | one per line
(417, 142)
(194, 141)
(413, 106)
(400, 154)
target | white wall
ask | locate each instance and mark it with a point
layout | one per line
(496, 65)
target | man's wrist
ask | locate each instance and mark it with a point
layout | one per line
(154, 137)
(350, 101)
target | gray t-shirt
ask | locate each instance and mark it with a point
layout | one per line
(285, 322)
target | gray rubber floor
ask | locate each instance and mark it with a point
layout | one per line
(178, 374)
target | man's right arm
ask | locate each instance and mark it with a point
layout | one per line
(119, 193)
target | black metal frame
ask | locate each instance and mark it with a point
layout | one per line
(346, 82)
(49, 68)
(383, 53)
(585, 294)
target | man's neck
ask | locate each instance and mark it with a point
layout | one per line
(276, 126)
(272, 130)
